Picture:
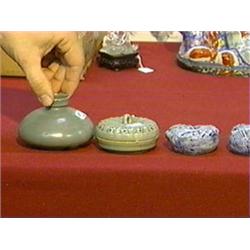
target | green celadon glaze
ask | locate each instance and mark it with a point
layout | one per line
(127, 133)
(56, 127)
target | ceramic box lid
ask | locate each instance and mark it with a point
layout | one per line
(127, 128)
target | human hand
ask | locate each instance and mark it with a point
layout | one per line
(52, 61)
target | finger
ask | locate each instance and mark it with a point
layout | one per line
(72, 55)
(51, 70)
(72, 79)
(39, 83)
(58, 79)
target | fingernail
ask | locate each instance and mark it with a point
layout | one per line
(46, 100)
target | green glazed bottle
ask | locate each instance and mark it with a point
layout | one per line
(56, 127)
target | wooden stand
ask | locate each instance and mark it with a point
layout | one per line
(117, 62)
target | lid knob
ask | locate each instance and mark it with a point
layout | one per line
(128, 119)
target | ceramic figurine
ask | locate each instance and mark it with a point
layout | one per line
(239, 141)
(118, 52)
(193, 140)
(56, 127)
(127, 133)
(216, 52)
(161, 36)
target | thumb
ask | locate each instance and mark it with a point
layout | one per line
(38, 81)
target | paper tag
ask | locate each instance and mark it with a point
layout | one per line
(141, 67)
(80, 114)
(145, 70)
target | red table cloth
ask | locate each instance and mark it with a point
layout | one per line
(88, 182)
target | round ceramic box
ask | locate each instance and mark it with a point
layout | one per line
(127, 133)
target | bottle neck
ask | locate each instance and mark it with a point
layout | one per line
(60, 100)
